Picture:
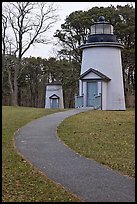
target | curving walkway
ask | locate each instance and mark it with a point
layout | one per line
(89, 180)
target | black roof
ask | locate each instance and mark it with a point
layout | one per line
(54, 95)
(54, 83)
(101, 38)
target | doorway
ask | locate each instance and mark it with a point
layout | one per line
(92, 93)
(54, 103)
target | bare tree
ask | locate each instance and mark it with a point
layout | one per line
(4, 27)
(28, 22)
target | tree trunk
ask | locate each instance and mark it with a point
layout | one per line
(15, 102)
(19, 95)
(36, 94)
(12, 90)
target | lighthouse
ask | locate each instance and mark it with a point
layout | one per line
(101, 79)
(54, 95)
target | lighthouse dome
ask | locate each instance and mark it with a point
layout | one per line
(101, 18)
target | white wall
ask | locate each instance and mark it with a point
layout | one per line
(104, 95)
(91, 75)
(80, 88)
(85, 93)
(54, 89)
(107, 60)
(104, 59)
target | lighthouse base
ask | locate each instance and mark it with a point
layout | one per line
(97, 94)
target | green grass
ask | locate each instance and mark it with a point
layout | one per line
(21, 182)
(105, 136)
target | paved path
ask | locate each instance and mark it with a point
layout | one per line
(89, 180)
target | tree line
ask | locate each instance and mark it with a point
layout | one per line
(36, 73)
(24, 79)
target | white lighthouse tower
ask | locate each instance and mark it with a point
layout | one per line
(101, 79)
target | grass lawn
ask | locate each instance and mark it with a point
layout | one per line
(105, 136)
(21, 182)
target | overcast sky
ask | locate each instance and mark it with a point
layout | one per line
(64, 9)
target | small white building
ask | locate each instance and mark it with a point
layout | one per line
(101, 79)
(54, 96)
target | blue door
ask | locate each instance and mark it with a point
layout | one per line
(92, 91)
(54, 103)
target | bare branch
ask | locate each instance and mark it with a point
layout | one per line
(30, 19)
(27, 21)
(4, 27)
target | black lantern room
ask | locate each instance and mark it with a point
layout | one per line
(101, 31)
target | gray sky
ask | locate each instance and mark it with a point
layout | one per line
(64, 9)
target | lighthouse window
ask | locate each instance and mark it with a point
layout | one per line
(111, 29)
(107, 29)
(93, 29)
(99, 29)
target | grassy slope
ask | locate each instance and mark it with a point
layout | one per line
(20, 181)
(105, 136)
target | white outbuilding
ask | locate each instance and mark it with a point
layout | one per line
(54, 96)
(101, 79)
